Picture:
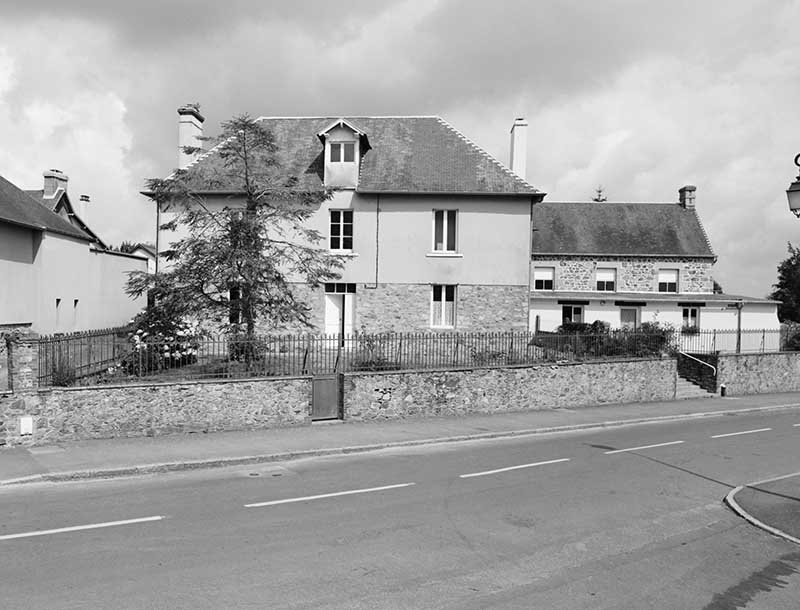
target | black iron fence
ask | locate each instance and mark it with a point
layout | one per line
(65, 359)
(116, 356)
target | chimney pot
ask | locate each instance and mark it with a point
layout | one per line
(686, 196)
(519, 147)
(190, 128)
(85, 199)
(54, 179)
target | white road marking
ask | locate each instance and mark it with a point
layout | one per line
(644, 447)
(485, 472)
(795, 425)
(77, 528)
(331, 495)
(743, 432)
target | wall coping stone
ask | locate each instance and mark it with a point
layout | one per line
(465, 369)
(162, 384)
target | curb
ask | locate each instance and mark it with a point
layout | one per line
(159, 468)
(730, 500)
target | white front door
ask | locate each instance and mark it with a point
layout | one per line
(340, 312)
(629, 317)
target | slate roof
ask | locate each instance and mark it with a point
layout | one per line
(19, 208)
(405, 155)
(624, 229)
(63, 203)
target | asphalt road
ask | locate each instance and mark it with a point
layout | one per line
(626, 518)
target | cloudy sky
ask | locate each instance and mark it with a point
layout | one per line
(640, 97)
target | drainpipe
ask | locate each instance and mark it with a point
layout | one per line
(377, 236)
(739, 306)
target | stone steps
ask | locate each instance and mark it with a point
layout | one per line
(687, 389)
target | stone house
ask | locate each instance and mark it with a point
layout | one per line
(56, 274)
(434, 229)
(628, 263)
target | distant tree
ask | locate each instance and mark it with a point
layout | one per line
(599, 196)
(717, 289)
(127, 247)
(787, 288)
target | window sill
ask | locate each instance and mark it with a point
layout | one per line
(347, 253)
(444, 255)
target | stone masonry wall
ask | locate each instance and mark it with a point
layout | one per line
(393, 307)
(577, 273)
(759, 373)
(492, 308)
(153, 410)
(371, 396)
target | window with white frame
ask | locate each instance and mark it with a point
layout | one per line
(668, 280)
(691, 317)
(606, 279)
(444, 230)
(443, 306)
(341, 230)
(343, 152)
(571, 313)
(543, 278)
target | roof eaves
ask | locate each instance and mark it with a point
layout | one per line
(526, 195)
(625, 255)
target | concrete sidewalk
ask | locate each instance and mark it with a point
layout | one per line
(130, 456)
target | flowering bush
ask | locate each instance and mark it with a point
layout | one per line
(159, 343)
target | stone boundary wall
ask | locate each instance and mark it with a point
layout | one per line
(403, 394)
(71, 414)
(759, 373)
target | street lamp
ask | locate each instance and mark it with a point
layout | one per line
(793, 192)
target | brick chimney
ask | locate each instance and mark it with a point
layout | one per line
(519, 147)
(54, 179)
(190, 128)
(686, 196)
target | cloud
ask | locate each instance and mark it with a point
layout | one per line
(638, 97)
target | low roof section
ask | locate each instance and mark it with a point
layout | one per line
(405, 155)
(622, 229)
(19, 208)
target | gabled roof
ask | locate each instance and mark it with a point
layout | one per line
(19, 208)
(624, 229)
(61, 205)
(406, 155)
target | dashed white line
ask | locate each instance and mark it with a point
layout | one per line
(330, 495)
(485, 472)
(742, 432)
(77, 528)
(795, 425)
(643, 447)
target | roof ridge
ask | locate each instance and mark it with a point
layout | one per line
(485, 154)
(354, 116)
(613, 202)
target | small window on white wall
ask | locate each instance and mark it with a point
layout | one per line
(691, 317)
(668, 280)
(606, 279)
(543, 278)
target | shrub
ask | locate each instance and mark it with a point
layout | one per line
(62, 375)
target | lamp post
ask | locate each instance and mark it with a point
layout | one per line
(793, 192)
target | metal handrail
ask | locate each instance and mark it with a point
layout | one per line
(713, 368)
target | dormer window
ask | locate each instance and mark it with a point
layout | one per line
(343, 152)
(345, 144)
